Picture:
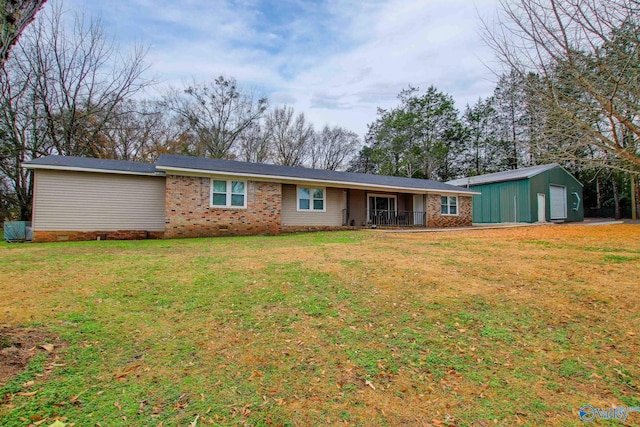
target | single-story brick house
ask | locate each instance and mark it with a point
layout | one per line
(77, 198)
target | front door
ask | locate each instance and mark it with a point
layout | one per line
(418, 209)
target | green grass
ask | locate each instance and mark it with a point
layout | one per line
(357, 327)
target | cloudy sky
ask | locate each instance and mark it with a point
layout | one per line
(334, 60)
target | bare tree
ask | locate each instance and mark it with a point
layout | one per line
(83, 80)
(15, 15)
(290, 135)
(141, 134)
(60, 92)
(21, 136)
(587, 56)
(217, 113)
(332, 148)
(255, 144)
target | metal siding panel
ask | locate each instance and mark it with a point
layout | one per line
(496, 203)
(335, 201)
(524, 201)
(506, 202)
(486, 205)
(79, 201)
(477, 208)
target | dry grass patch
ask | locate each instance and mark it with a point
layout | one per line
(514, 326)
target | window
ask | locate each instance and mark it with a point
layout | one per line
(228, 194)
(311, 199)
(449, 205)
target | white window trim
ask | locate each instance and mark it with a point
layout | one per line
(449, 205)
(228, 204)
(324, 198)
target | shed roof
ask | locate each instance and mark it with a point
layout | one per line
(511, 175)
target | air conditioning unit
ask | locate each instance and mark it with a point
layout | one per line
(18, 231)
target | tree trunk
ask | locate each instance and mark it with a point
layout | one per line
(635, 193)
(616, 198)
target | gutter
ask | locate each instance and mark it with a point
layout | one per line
(78, 169)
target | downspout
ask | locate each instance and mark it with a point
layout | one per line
(634, 202)
(348, 207)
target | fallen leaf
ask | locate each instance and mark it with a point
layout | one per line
(255, 374)
(368, 383)
(47, 347)
(25, 393)
(74, 398)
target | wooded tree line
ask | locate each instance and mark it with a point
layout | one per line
(568, 93)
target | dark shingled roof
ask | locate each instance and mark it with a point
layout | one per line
(230, 166)
(512, 175)
(71, 162)
(169, 161)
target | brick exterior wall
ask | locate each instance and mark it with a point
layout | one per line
(436, 219)
(77, 236)
(188, 212)
(313, 228)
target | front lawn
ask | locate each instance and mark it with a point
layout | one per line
(508, 327)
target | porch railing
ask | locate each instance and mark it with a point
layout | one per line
(396, 218)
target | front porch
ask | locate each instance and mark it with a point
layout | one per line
(385, 209)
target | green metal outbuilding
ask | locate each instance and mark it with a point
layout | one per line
(534, 194)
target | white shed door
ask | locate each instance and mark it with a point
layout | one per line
(558, 201)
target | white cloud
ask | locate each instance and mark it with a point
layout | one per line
(335, 61)
(409, 43)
